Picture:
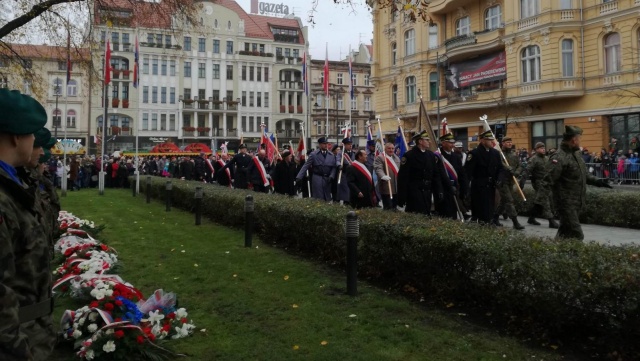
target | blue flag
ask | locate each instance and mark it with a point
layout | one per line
(400, 142)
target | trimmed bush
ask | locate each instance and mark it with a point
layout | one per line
(568, 290)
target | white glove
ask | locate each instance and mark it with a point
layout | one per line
(268, 176)
(386, 178)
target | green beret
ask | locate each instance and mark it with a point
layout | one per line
(487, 135)
(20, 114)
(45, 157)
(572, 130)
(448, 138)
(51, 143)
(43, 136)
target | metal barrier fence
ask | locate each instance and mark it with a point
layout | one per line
(619, 173)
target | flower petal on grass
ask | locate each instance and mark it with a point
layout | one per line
(324, 343)
(286, 278)
(352, 315)
(296, 347)
(195, 265)
(294, 306)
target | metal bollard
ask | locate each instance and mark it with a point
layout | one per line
(133, 188)
(168, 187)
(248, 220)
(148, 189)
(352, 232)
(198, 205)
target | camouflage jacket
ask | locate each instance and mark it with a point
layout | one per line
(514, 164)
(25, 275)
(538, 170)
(568, 177)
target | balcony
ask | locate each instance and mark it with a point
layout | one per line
(288, 60)
(445, 6)
(288, 133)
(251, 55)
(460, 40)
(548, 89)
(219, 105)
(290, 85)
(124, 74)
(478, 43)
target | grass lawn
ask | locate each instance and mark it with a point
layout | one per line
(262, 303)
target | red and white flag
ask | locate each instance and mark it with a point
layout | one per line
(261, 170)
(107, 63)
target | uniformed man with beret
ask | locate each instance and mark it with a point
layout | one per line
(506, 184)
(483, 167)
(322, 166)
(26, 326)
(344, 160)
(419, 177)
(239, 165)
(568, 178)
(538, 173)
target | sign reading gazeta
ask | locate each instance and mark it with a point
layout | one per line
(71, 147)
(264, 8)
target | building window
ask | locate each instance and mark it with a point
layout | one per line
(154, 121)
(163, 95)
(258, 73)
(57, 114)
(172, 122)
(463, 26)
(244, 99)
(340, 99)
(394, 96)
(433, 36)
(154, 66)
(72, 88)
(114, 91)
(320, 126)
(251, 72)
(433, 86)
(163, 122)
(354, 104)
(163, 67)
(612, 53)
(229, 47)
(216, 71)
(172, 95)
(201, 70)
(394, 53)
(548, 132)
(216, 46)
(167, 41)
(565, 4)
(71, 119)
(243, 72)
(187, 69)
(410, 89)
(145, 121)
(354, 79)
(530, 64)
(154, 94)
(251, 98)
(492, 18)
(339, 78)
(259, 99)
(266, 74)
(145, 65)
(625, 128)
(229, 72)
(201, 46)
(266, 99)
(529, 8)
(567, 57)
(125, 91)
(172, 68)
(409, 42)
(187, 93)
(145, 94)
(187, 43)
(366, 79)
(367, 103)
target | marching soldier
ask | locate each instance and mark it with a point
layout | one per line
(455, 179)
(322, 165)
(26, 326)
(568, 179)
(344, 160)
(419, 177)
(483, 166)
(506, 183)
(241, 162)
(388, 161)
(541, 202)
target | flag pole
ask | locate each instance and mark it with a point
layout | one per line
(105, 96)
(384, 158)
(486, 124)
(64, 185)
(404, 137)
(137, 83)
(326, 86)
(304, 151)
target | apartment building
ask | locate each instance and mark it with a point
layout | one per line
(217, 81)
(330, 114)
(532, 66)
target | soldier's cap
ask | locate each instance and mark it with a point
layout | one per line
(507, 139)
(422, 135)
(242, 146)
(285, 154)
(322, 140)
(412, 144)
(347, 141)
(458, 144)
(487, 135)
(42, 137)
(572, 130)
(20, 114)
(286, 146)
(449, 138)
(371, 142)
(51, 143)
(540, 145)
(45, 157)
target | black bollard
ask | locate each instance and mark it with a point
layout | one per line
(352, 231)
(167, 194)
(133, 188)
(248, 220)
(198, 205)
(148, 189)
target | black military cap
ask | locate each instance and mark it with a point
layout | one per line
(286, 146)
(371, 142)
(242, 145)
(422, 135)
(487, 135)
(285, 154)
(20, 114)
(322, 140)
(448, 138)
(347, 141)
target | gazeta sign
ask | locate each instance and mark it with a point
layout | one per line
(265, 8)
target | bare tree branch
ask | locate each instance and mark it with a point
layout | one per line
(35, 11)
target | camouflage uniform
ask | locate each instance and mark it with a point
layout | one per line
(505, 189)
(568, 178)
(538, 170)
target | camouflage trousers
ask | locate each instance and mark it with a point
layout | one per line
(569, 224)
(542, 202)
(506, 205)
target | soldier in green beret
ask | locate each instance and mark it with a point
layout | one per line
(26, 327)
(506, 184)
(568, 178)
(541, 202)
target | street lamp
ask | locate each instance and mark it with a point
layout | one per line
(56, 90)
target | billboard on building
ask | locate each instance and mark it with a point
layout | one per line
(481, 70)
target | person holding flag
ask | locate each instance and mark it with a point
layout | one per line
(483, 167)
(240, 173)
(258, 170)
(344, 160)
(222, 178)
(386, 167)
(454, 176)
(322, 164)
(361, 184)
(512, 168)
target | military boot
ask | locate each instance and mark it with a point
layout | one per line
(516, 224)
(532, 220)
(496, 221)
(553, 223)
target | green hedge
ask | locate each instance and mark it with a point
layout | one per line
(603, 207)
(570, 290)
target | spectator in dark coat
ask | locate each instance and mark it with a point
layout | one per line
(284, 175)
(200, 168)
(361, 188)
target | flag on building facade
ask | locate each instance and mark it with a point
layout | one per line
(304, 74)
(136, 64)
(107, 63)
(68, 57)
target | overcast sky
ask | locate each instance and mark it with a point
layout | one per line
(337, 25)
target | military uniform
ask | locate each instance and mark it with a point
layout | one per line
(568, 178)
(26, 326)
(506, 187)
(538, 166)
(343, 186)
(483, 166)
(238, 165)
(322, 166)
(454, 180)
(419, 179)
